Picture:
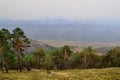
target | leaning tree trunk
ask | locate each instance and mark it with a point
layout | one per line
(19, 60)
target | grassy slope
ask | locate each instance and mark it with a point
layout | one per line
(87, 74)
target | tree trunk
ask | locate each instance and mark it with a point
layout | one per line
(39, 58)
(19, 61)
(28, 66)
(65, 55)
(6, 68)
(2, 61)
(64, 65)
(85, 61)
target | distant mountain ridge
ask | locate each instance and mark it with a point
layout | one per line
(70, 30)
(65, 21)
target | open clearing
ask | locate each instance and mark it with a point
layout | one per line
(76, 74)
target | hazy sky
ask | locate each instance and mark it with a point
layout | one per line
(59, 9)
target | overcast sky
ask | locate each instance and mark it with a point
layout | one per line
(59, 9)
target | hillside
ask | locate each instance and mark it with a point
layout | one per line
(34, 44)
(77, 46)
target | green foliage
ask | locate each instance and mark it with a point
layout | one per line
(38, 56)
(4, 48)
(111, 58)
(27, 58)
(48, 62)
(66, 49)
(13, 45)
(87, 58)
(20, 42)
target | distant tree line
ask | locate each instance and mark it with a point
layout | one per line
(13, 55)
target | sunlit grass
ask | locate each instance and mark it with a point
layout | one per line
(76, 74)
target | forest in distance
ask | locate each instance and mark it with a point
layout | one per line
(13, 55)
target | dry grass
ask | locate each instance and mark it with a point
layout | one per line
(77, 74)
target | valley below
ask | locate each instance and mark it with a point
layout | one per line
(101, 47)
